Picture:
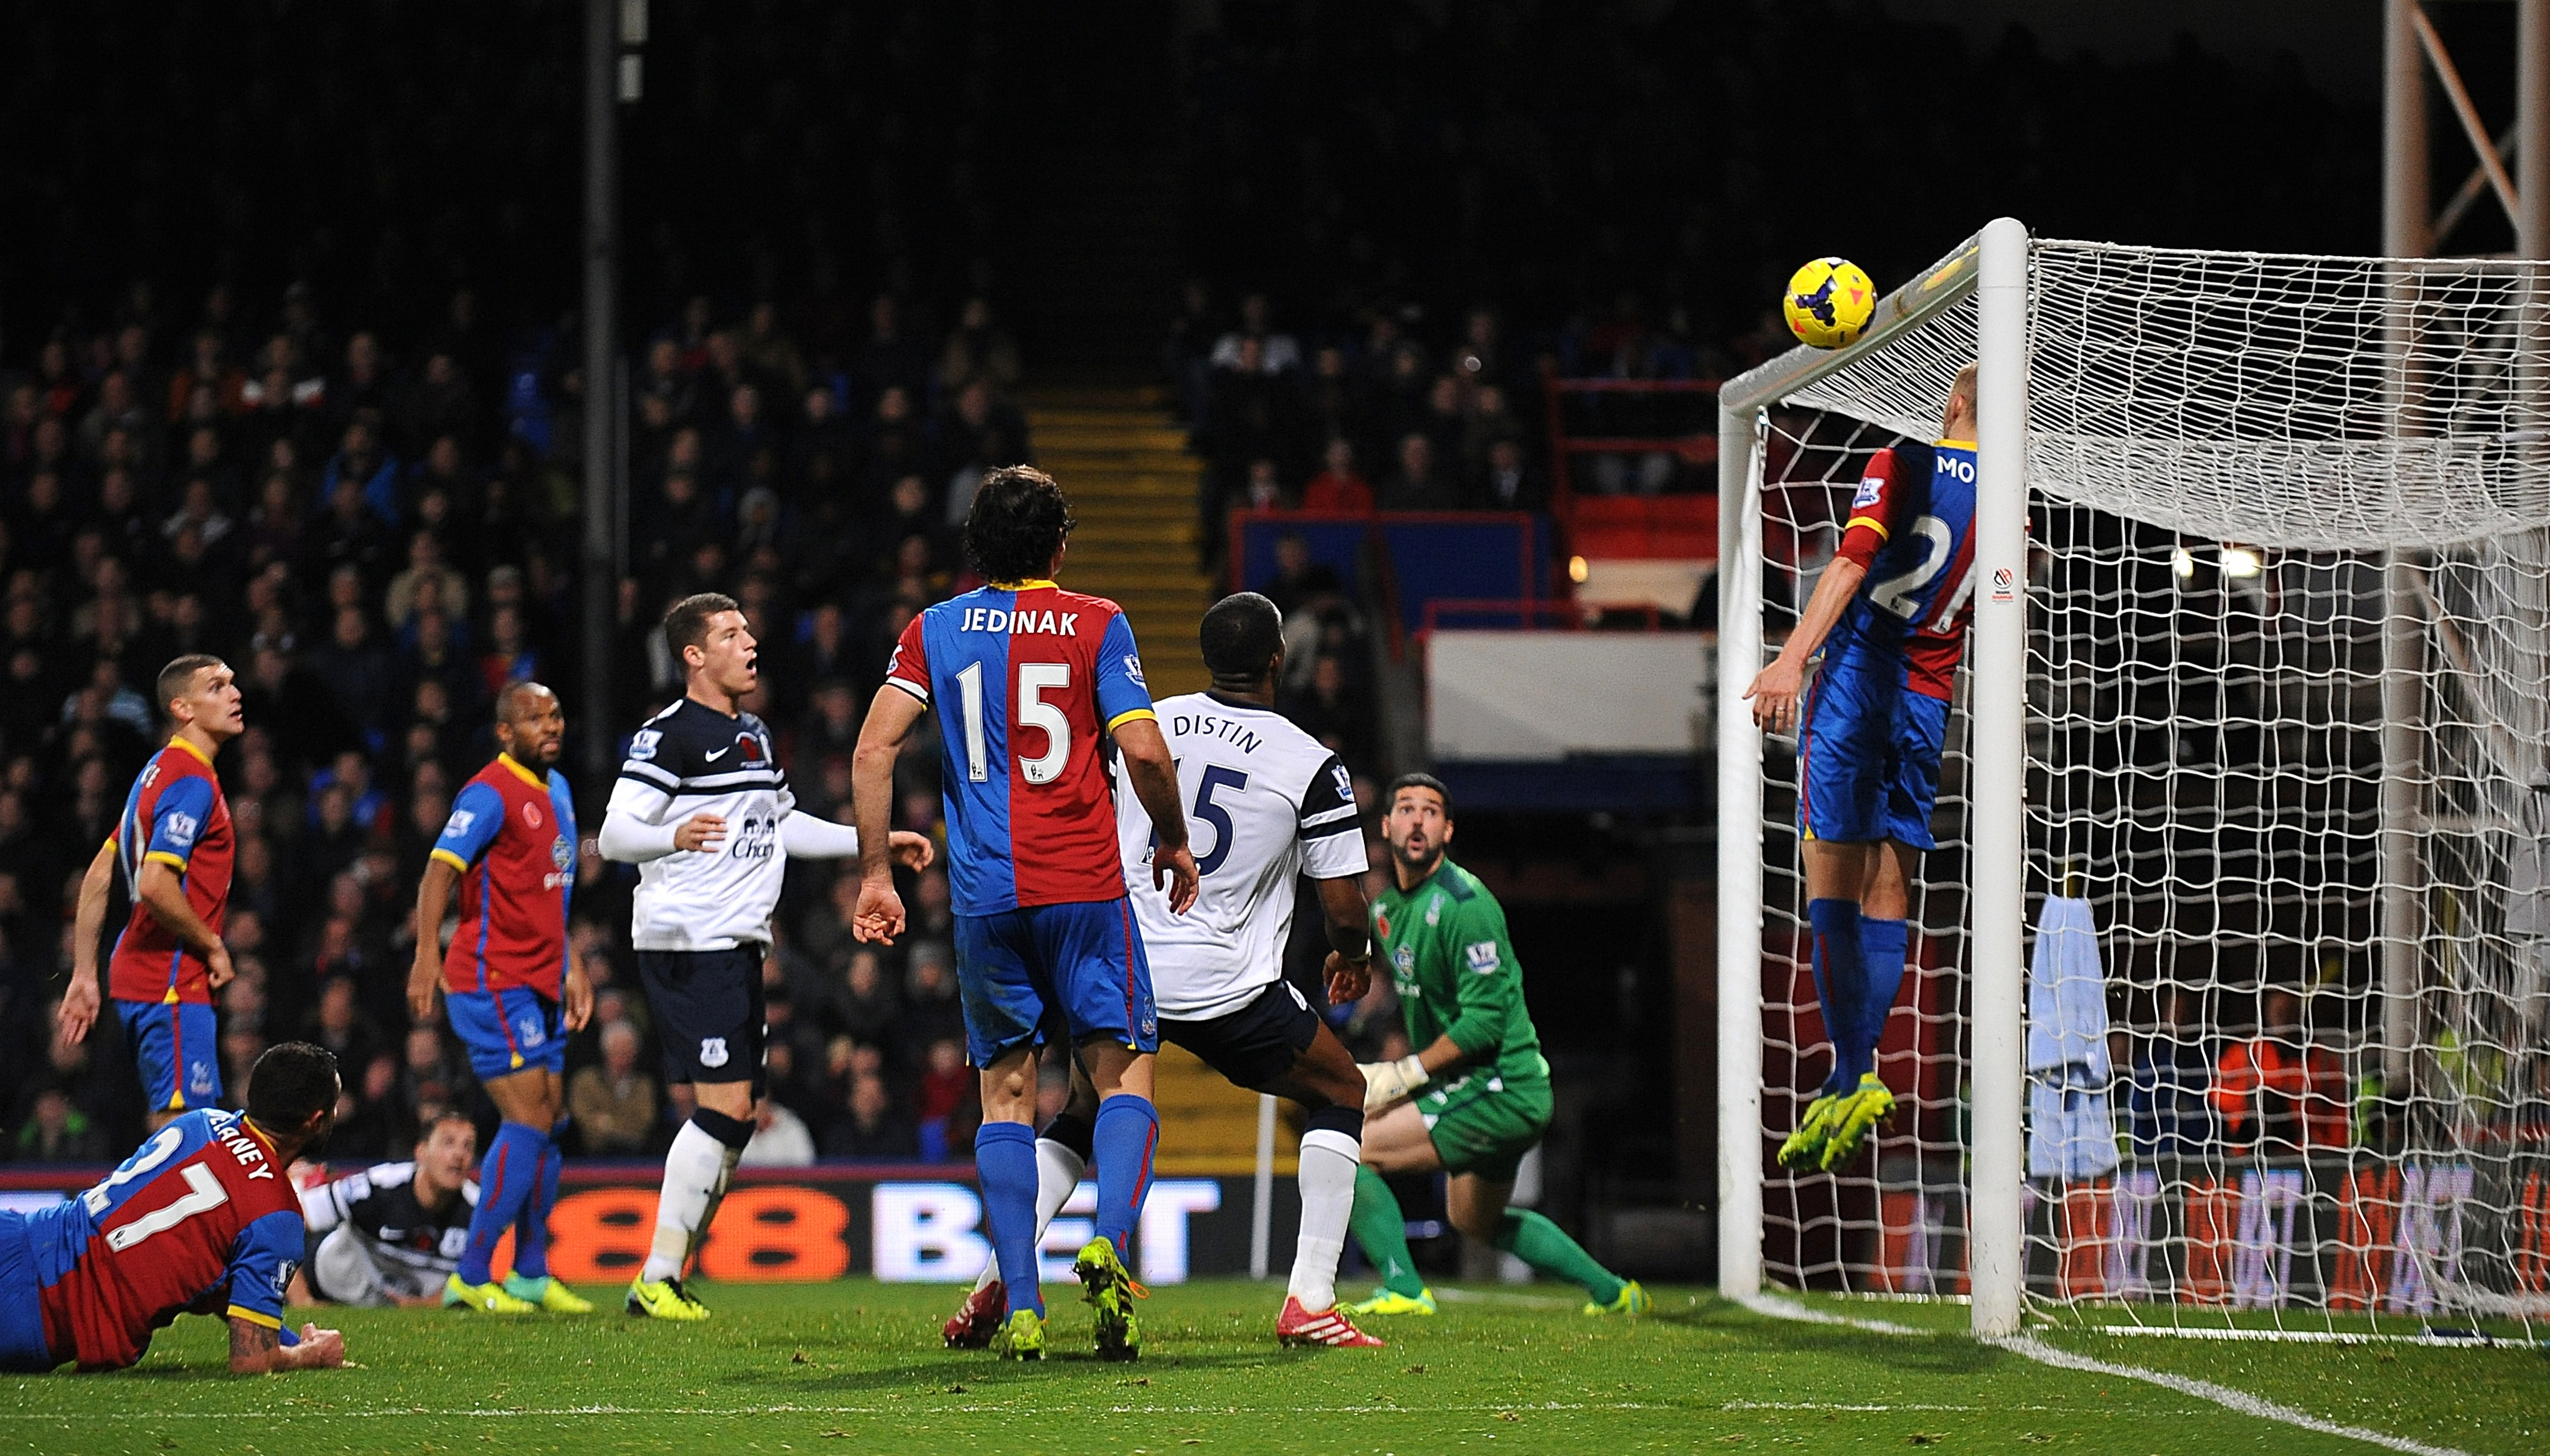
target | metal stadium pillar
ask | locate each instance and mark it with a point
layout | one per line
(601, 384)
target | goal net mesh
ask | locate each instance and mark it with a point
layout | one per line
(2286, 796)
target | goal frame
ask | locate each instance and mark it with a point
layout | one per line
(1993, 267)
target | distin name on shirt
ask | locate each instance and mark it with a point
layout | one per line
(1206, 725)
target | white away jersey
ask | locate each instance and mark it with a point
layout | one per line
(1264, 802)
(413, 1246)
(692, 759)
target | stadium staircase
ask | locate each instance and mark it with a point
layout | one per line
(1124, 459)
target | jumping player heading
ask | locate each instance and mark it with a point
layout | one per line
(174, 845)
(1895, 604)
(1030, 680)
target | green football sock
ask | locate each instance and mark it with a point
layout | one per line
(1546, 1248)
(1382, 1230)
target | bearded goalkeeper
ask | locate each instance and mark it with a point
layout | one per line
(1890, 615)
(1475, 1097)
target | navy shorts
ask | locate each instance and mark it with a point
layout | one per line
(1255, 1046)
(1868, 752)
(176, 1048)
(1083, 960)
(22, 1312)
(509, 1029)
(708, 1008)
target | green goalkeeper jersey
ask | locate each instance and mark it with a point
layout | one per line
(1457, 973)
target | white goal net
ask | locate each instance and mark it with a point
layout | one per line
(2285, 845)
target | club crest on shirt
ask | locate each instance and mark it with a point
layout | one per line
(711, 1051)
(561, 853)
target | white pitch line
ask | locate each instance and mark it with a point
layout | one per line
(2428, 1340)
(2029, 1347)
(2220, 1395)
(728, 1412)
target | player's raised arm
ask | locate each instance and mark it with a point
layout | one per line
(81, 998)
(637, 822)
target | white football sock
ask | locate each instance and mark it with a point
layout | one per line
(1058, 1171)
(696, 1173)
(1326, 1176)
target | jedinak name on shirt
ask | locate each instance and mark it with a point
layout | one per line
(1200, 725)
(993, 618)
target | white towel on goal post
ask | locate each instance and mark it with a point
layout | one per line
(2072, 1133)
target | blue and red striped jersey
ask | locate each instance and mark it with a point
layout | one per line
(1913, 527)
(174, 816)
(1027, 679)
(202, 1218)
(512, 837)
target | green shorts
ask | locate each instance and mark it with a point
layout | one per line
(1484, 1125)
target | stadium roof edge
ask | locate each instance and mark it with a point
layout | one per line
(1942, 284)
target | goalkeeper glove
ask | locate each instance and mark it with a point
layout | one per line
(1384, 1083)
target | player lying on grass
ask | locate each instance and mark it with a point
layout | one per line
(1474, 1097)
(1029, 681)
(201, 1220)
(1890, 615)
(1279, 805)
(513, 988)
(392, 1233)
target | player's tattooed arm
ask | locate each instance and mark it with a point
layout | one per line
(257, 1349)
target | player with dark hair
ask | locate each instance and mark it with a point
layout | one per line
(1894, 602)
(393, 1233)
(201, 1220)
(1028, 681)
(1279, 805)
(174, 844)
(704, 809)
(513, 989)
(1474, 1097)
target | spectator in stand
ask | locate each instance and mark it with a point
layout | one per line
(873, 1131)
(940, 1099)
(780, 1139)
(978, 351)
(2170, 1101)
(1419, 485)
(1338, 489)
(56, 1131)
(1275, 353)
(617, 1106)
(2278, 1093)
(1506, 483)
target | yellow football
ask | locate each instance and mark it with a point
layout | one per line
(1829, 302)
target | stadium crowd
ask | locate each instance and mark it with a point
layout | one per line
(379, 547)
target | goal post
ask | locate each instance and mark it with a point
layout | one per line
(2229, 997)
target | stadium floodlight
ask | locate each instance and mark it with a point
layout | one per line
(2290, 814)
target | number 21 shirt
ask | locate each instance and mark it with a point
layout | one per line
(1026, 677)
(1913, 527)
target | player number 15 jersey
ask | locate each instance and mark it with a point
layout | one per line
(1027, 679)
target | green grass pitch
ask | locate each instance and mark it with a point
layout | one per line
(855, 1367)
